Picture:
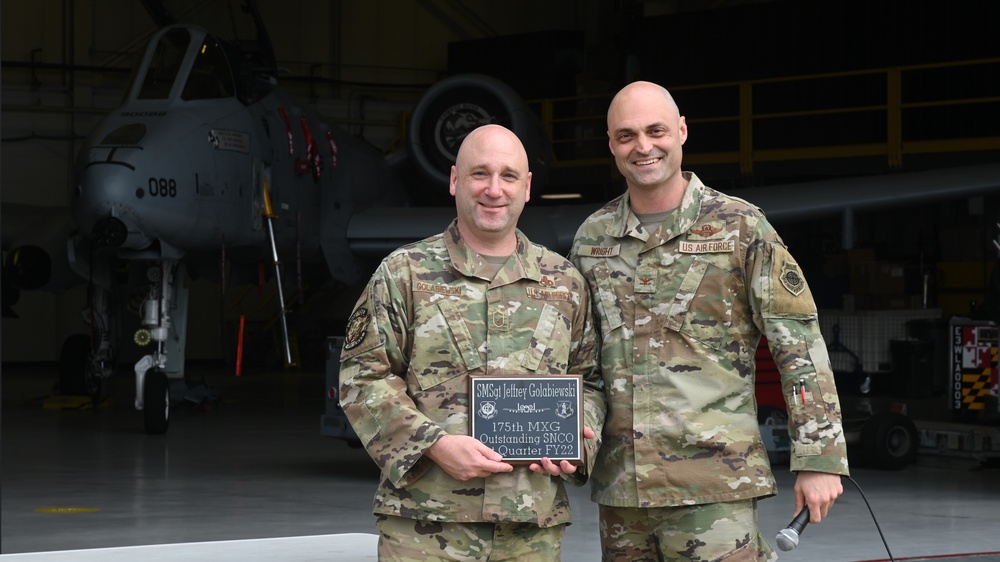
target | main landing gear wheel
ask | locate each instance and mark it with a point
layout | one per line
(77, 375)
(156, 403)
(454, 107)
(889, 441)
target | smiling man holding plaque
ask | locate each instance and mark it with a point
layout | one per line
(476, 301)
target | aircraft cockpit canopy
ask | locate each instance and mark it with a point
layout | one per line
(163, 66)
(209, 76)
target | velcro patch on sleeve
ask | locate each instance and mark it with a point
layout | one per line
(362, 330)
(792, 279)
(357, 328)
(789, 292)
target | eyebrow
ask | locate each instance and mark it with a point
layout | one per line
(489, 169)
(658, 124)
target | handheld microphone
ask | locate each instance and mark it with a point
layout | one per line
(788, 538)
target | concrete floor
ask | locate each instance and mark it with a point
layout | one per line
(254, 466)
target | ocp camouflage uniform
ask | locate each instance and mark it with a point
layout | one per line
(680, 311)
(429, 318)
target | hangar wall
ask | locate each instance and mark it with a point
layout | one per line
(365, 64)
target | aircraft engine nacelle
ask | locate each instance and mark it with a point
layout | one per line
(455, 106)
(38, 257)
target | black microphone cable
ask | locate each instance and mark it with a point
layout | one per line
(874, 519)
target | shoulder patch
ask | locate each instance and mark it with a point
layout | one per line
(357, 327)
(791, 278)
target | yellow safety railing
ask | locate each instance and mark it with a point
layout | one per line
(888, 112)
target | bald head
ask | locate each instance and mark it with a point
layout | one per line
(492, 138)
(491, 183)
(645, 96)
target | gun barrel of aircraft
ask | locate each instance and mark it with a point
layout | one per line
(109, 232)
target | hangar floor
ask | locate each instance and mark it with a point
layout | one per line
(252, 465)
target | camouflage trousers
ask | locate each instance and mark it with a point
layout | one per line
(412, 540)
(724, 532)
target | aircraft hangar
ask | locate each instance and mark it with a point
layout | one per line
(868, 132)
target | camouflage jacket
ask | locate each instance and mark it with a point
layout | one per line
(429, 318)
(680, 311)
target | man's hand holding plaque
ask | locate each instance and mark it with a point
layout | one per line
(546, 466)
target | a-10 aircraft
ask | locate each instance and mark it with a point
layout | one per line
(209, 169)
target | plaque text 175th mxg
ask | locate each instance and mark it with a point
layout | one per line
(527, 417)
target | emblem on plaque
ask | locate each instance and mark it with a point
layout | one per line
(487, 409)
(564, 408)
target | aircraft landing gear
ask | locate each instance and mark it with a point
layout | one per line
(156, 396)
(86, 361)
(82, 369)
(164, 317)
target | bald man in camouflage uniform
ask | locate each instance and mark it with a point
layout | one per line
(478, 299)
(685, 280)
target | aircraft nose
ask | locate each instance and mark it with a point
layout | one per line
(109, 232)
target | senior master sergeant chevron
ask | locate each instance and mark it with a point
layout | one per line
(684, 281)
(476, 299)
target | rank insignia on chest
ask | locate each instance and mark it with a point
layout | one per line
(645, 280)
(792, 279)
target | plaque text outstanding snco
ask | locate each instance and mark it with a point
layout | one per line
(527, 417)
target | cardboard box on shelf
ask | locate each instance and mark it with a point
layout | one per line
(878, 278)
(860, 255)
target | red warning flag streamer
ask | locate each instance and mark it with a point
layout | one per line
(239, 347)
(333, 149)
(312, 153)
(288, 129)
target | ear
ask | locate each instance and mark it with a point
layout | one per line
(453, 183)
(527, 189)
(682, 129)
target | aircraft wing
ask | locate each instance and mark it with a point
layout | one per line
(377, 231)
(803, 201)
